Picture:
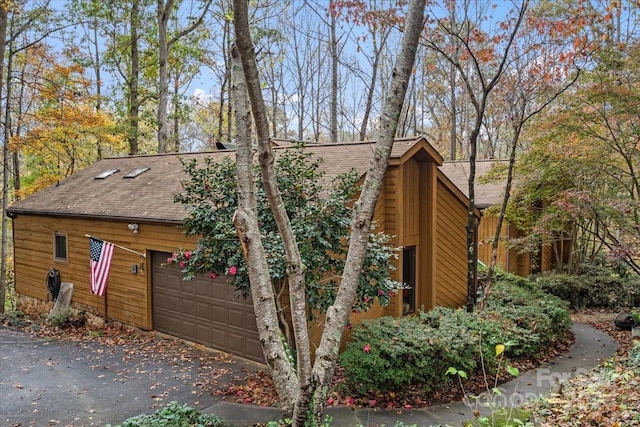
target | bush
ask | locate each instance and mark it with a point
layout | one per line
(174, 415)
(16, 318)
(593, 291)
(388, 354)
(533, 319)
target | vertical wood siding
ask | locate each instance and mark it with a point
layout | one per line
(486, 232)
(507, 259)
(389, 212)
(411, 206)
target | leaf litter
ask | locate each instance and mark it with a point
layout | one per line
(606, 396)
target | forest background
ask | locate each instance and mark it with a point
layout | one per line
(551, 86)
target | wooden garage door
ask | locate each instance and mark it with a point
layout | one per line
(203, 310)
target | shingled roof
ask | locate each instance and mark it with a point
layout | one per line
(149, 196)
(486, 194)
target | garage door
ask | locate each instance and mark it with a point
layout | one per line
(203, 310)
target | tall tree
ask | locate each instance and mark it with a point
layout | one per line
(63, 129)
(302, 390)
(480, 64)
(165, 10)
(545, 64)
(21, 18)
(335, 58)
(590, 182)
(4, 11)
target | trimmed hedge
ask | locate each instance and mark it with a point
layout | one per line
(593, 291)
(388, 354)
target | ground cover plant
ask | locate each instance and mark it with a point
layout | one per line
(173, 415)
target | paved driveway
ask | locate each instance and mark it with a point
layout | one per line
(50, 382)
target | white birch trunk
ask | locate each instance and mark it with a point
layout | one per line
(246, 222)
(310, 388)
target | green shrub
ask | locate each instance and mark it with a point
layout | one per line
(485, 330)
(390, 353)
(593, 291)
(533, 319)
(174, 415)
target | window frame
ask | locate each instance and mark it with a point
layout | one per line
(56, 255)
(409, 267)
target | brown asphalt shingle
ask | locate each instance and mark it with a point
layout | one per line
(149, 196)
(486, 194)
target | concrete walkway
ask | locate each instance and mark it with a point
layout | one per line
(590, 348)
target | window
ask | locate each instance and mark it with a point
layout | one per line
(135, 172)
(59, 246)
(106, 173)
(409, 279)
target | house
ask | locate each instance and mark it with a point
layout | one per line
(491, 194)
(129, 201)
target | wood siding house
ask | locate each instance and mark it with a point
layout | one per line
(488, 195)
(129, 201)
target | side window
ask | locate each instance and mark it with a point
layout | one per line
(59, 246)
(409, 279)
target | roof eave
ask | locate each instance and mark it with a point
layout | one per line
(15, 212)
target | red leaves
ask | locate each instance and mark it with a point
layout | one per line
(256, 389)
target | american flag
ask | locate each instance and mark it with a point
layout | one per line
(100, 254)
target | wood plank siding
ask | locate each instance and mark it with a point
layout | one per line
(507, 259)
(128, 294)
(418, 206)
(451, 274)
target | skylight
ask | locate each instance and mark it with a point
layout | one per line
(106, 173)
(135, 172)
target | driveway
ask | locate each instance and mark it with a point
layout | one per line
(90, 383)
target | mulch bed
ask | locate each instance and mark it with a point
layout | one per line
(257, 389)
(246, 385)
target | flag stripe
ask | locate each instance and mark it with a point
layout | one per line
(101, 253)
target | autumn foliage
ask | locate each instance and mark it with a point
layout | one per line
(65, 132)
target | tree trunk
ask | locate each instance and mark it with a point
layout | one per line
(5, 162)
(311, 389)
(333, 49)
(286, 381)
(175, 131)
(134, 95)
(164, 10)
(97, 70)
(377, 52)
(501, 216)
